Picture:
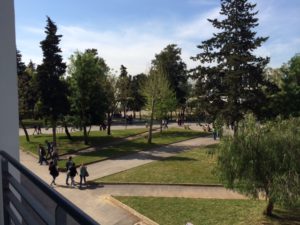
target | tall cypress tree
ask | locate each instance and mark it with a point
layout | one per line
(230, 77)
(52, 88)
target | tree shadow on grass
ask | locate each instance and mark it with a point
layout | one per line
(284, 217)
(178, 158)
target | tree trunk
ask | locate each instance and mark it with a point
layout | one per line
(134, 114)
(161, 125)
(86, 141)
(140, 114)
(269, 209)
(109, 119)
(151, 123)
(54, 131)
(67, 132)
(89, 130)
(25, 130)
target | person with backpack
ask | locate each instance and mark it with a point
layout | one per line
(53, 172)
(83, 174)
(42, 154)
(69, 164)
(73, 173)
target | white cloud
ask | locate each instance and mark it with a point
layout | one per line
(136, 46)
(199, 28)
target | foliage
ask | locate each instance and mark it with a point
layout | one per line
(26, 89)
(286, 102)
(159, 95)
(192, 167)
(52, 89)
(138, 100)
(88, 100)
(230, 78)
(263, 159)
(123, 87)
(169, 59)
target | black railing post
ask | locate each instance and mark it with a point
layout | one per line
(5, 189)
(60, 216)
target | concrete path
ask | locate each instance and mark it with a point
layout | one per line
(92, 199)
(112, 166)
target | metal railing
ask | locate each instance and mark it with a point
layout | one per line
(28, 200)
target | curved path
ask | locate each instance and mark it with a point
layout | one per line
(92, 199)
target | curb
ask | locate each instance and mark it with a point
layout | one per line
(159, 184)
(144, 220)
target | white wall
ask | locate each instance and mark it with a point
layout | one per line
(8, 86)
(9, 122)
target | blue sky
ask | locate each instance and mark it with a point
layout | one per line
(131, 32)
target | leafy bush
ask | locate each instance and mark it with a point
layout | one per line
(263, 159)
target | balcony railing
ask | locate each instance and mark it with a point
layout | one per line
(29, 201)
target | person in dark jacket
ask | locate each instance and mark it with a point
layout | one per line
(73, 173)
(83, 174)
(69, 164)
(53, 172)
(42, 154)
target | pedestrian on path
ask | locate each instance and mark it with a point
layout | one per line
(69, 164)
(53, 172)
(42, 153)
(83, 174)
(49, 149)
(73, 173)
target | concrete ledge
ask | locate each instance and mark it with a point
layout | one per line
(144, 220)
(159, 184)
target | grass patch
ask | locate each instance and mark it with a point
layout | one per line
(96, 138)
(125, 148)
(195, 167)
(179, 211)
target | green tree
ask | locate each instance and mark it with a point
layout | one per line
(88, 99)
(124, 91)
(286, 102)
(53, 101)
(160, 97)
(230, 78)
(24, 92)
(170, 61)
(263, 159)
(138, 101)
(110, 87)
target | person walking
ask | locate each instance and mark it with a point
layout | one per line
(73, 173)
(69, 164)
(83, 174)
(42, 153)
(49, 149)
(53, 172)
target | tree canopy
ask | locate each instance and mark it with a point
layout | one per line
(229, 79)
(263, 159)
(175, 69)
(51, 87)
(88, 99)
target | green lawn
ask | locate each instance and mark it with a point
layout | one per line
(167, 137)
(195, 167)
(67, 146)
(179, 211)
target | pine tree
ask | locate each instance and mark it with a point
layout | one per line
(52, 88)
(230, 77)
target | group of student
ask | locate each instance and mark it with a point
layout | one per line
(51, 153)
(71, 173)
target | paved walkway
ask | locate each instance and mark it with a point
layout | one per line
(92, 199)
